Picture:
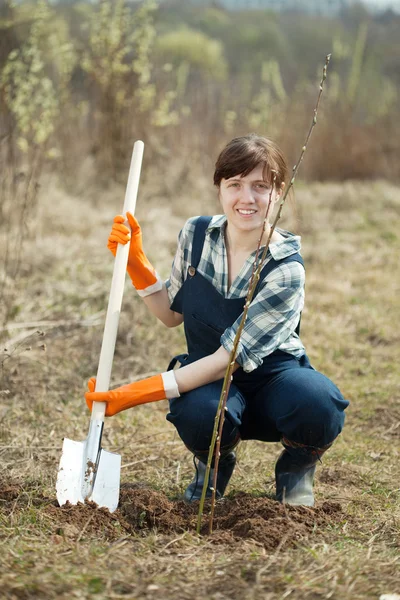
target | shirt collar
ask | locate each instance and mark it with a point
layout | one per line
(286, 247)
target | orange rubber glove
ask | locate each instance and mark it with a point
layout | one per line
(158, 387)
(143, 275)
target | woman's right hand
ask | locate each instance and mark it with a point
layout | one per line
(140, 270)
(121, 234)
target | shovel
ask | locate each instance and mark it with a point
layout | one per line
(86, 471)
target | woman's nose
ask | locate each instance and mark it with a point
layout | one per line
(247, 195)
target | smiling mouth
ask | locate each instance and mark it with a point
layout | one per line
(244, 212)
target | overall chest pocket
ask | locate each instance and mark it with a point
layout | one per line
(201, 336)
(211, 327)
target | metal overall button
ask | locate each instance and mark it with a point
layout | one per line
(191, 271)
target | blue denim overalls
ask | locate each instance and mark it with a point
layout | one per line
(283, 399)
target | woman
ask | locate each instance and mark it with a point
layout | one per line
(275, 394)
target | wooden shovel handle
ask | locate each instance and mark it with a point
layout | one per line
(117, 288)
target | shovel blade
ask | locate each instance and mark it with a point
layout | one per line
(70, 476)
(106, 485)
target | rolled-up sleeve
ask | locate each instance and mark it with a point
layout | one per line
(272, 317)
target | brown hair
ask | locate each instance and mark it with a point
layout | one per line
(243, 154)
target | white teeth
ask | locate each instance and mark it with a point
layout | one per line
(246, 212)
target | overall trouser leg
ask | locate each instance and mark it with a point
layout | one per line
(193, 414)
(307, 410)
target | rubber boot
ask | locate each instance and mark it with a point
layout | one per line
(225, 469)
(294, 476)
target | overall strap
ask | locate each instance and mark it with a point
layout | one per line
(198, 239)
(272, 264)
(201, 225)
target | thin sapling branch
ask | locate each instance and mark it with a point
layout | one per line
(220, 414)
(255, 276)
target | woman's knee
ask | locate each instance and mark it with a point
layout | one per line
(320, 421)
(193, 415)
(317, 411)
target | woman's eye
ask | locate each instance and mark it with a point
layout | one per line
(234, 184)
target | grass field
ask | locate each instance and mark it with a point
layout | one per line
(348, 547)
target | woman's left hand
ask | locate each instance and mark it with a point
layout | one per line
(152, 389)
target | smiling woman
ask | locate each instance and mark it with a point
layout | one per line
(246, 202)
(275, 395)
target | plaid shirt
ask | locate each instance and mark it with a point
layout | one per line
(273, 313)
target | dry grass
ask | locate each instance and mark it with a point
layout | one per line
(351, 246)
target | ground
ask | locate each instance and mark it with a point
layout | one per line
(347, 547)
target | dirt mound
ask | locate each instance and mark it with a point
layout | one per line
(84, 521)
(239, 517)
(142, 509)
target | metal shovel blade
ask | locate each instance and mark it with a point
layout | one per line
(105, 492)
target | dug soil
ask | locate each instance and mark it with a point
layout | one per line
(142, 510)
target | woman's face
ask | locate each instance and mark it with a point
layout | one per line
(245, 200)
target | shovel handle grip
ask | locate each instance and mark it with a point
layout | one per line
(117, 288)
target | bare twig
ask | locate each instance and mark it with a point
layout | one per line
(220, 415)
(85, 527)
(142, 460)
(92, 320)
(255, 276)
